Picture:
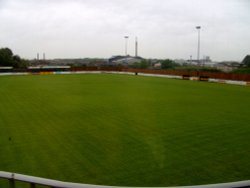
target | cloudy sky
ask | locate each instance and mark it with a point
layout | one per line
(96, 28)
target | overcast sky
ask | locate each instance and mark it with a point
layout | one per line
(96, 28)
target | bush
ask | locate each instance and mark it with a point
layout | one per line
(242, 71)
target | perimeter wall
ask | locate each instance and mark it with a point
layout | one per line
(222, 76)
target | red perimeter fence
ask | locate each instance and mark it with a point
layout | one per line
(223, 76)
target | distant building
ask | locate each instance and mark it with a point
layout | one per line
(6, 69)
(124, 60)
(206, 61)
(157, 65)
(228, 66)
(180, 61)
(71, 62)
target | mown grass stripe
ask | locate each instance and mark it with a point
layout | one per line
(124, 130)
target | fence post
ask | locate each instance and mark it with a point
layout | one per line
(32, 185)
(12, 181)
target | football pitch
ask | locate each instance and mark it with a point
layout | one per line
(124, 130)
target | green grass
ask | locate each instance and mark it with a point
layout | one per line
(124, 130)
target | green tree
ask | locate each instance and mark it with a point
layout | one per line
(246, 61)
(6, 57)
(143, 64)
(168, 64)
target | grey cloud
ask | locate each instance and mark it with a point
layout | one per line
(95, 28)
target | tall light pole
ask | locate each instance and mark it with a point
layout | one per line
(199, 45)
(136, 47)
(126, 45)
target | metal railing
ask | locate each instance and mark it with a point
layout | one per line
(33, 181)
